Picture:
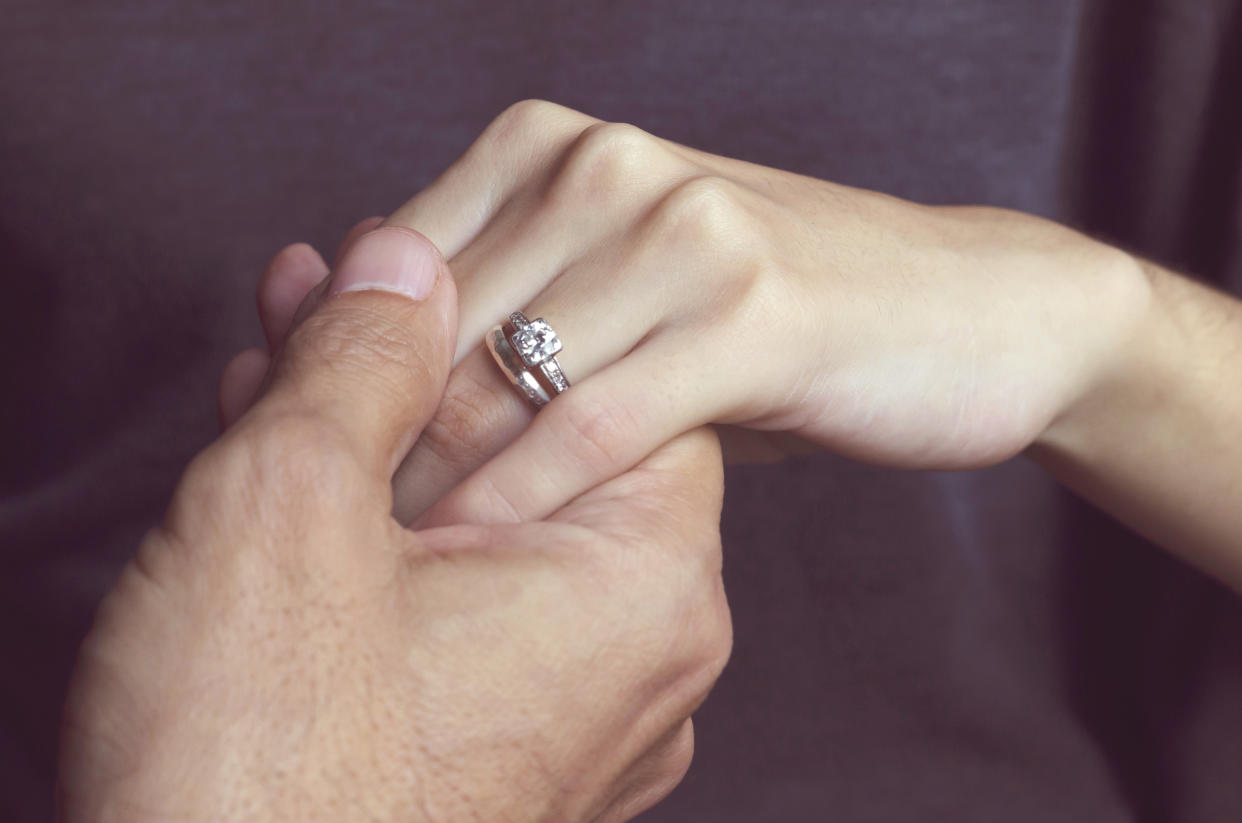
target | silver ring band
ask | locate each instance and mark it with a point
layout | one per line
(526, 352)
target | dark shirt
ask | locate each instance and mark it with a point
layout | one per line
(909, 646)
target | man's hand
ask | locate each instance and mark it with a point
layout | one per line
(281, 649)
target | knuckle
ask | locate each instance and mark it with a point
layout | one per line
(757, 295)
(700, 611)
(526, 114)
(662, 772)
(527, 122)
(462, 430)
(597, 432)
(209, 487)
(703, 214)
(290, 465)
(490, 498)
(718, 645)
(677, 756)
(602, 161)
(718, 223)
(706, 641)
(360, 344)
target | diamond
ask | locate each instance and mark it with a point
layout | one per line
(536, 342)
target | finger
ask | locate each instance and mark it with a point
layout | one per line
(286, 281)
(478, 416)
(481, 413)
(675, 492)
(506, 267)
(292, 295)
(360, 228)
(542, 232)
(291, 275)
(240, 383)
(669, 499)
(597, 430)
(516, 146)
(669, 504)
(370, 362)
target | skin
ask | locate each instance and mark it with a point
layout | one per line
(1155, 440)
(798, 314)
(281, 649)
(690, 289)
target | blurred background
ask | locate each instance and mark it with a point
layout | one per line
(910, 646)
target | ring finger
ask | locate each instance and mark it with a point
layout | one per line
(599, 317)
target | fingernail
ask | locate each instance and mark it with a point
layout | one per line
(389, 259)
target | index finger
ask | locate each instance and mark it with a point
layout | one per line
(516, 146)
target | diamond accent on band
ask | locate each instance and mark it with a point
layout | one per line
(535, 342)
(552, 371)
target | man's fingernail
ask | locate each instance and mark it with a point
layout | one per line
(390, 259)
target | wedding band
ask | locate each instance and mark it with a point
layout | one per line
(526, 352)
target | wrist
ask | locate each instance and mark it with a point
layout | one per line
(1127, 377)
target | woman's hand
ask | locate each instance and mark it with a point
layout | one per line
(280, 649)
(689, 289)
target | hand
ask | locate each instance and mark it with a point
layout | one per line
(690, 288)
(281, 649)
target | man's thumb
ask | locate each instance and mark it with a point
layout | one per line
(371, 360)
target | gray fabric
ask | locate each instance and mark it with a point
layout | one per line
(910, 646)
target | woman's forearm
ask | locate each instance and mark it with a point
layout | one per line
(1158, 442)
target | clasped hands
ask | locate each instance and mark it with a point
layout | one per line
(390, 591)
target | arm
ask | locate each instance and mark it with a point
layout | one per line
(1158, 441)
(690, 288)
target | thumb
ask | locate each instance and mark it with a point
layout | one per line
(372, 359)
